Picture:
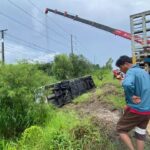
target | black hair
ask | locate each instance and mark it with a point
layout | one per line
(122, 60)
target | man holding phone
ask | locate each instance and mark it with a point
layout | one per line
(136, 84)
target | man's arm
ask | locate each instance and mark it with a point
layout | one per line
(129, 86)
(129, 82)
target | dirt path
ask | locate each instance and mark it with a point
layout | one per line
(104, 114)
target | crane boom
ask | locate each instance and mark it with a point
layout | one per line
(114, 31)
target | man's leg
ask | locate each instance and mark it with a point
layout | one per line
(140, 144)
(125, 124)
(140, 135)
(126, 139)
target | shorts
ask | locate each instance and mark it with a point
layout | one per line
(130, 121)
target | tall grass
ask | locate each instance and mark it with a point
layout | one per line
(65, 131)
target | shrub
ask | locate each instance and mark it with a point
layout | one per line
(18, 109)
(62, 67)
(32, 139)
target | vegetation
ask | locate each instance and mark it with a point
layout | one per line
(83, 98)
(18, 109)
(26, 125)
(66, 67)
(63, 134)
(62, 67)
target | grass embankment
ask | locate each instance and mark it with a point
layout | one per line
(108, 90)
(66, 130)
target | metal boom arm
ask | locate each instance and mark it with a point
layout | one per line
(98, 25)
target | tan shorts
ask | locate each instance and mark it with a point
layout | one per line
(130, 121)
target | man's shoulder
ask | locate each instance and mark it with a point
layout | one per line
(137, 69)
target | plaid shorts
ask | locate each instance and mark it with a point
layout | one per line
(131, 121)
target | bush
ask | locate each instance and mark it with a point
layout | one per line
(64, 131)
(81, 66)
(32, 139)
(62, 67)
(66, 67)
(18, 109)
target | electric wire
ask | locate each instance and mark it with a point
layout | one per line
(13, 50)
(34, 5)
(28, 27)
(27, 13)
(29, 44)
(54, 22)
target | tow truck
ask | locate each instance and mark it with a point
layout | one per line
(139, 36)
(63, 92)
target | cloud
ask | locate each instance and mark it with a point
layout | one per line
(15, 52)
(114, 13)
(109, 11)
(45, 58)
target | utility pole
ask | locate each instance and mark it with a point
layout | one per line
(71, 45)
(2, 49)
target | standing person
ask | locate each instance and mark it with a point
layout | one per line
(136, 86)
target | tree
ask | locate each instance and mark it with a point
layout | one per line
(46, 67)
(62, 67)
(108, 64)
(81, 66)
(18, 108)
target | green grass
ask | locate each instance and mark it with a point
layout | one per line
(118, 102)
(83, 98)
(117, 99)
(65, 131)
(107, 78)
(7, 144)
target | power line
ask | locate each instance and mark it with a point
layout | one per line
(29, 44)
(13, 50)
(27, 13)
(17, 49)
(10, 50)
(17, 58)
(13, 54)
(28, 27)
(80, 43)
(50, 18)
(34, 5)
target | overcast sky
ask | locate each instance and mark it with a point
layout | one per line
(33, 35)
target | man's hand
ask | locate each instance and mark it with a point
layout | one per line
(119, 77)
(136, 99)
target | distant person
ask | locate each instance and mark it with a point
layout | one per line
(136, 84)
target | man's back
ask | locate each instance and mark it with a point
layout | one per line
(137, 82)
